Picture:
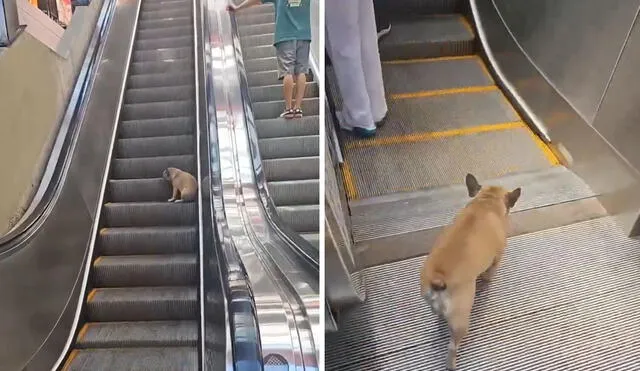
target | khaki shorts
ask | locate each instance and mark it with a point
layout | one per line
(293, 57)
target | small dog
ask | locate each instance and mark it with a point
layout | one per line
(471, 247)
(185, 186)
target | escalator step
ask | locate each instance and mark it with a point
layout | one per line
(157, 127)
(138, 334)
(256, 52)
(142, 304)
(299, 146)
(155, 80)
(141, 190)
(295, 192)
(302, 218)
(149, 240)
(155, 146)
(256, 29)
(145, 270)
(163, 43)
(149, 214)
(292, 168)
(263, 78)
(262, 64)
(280, 127)
(161, 33)
(166, 4)
(153, 94)
(256, 40)
(150, 167)
(253, 19)
(258, 9)
(184, 11)
(274, 92)
(168, 67)
(159, 110)
(153, 24)
(273, 109)
(312, 238)
(162, 54)
(138, 359)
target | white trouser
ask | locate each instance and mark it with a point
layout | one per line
(352, 43)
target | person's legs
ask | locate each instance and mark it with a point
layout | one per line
(343, 38)
(371, 61)
(301, 70)
(286, 57)
(383, 24)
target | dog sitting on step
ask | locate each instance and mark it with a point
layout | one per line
(471, 247)
(184, 185)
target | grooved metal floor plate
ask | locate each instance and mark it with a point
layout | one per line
(436, 74)
(565, 299)
(448, 28)
(383, 169)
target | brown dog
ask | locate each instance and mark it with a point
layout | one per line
(185, 186)
(471, 247)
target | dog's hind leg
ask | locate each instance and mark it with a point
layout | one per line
(459, 322)
(487, 275)
(174, 195)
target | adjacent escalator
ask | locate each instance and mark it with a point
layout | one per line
(141, 310)
(289, 148)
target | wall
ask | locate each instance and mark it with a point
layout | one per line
(38, 81)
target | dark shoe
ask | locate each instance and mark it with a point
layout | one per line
(381, 123)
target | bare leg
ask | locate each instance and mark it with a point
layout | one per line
(174, 195)
(301, 84)
(287, 83)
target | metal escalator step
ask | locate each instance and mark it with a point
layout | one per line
(148, 24)
(273, 109)
(295, 192)
(280, 127)
(172, 66)
(274, 92)
(258, 9)
(161, 33)
(150, 167)
(148, 240)
(263, 78)
(164, 43)
(256, 29)
(145, 270)
(256, 40)
(312, 238)
(262, 64)
(142, 304)
(157, 127)
(155, 146)
(291, 168)
(435, 74)
(149, 214)
(300, 146)
(135, 359)
(162, 54)
(176, 12)
(138, 334)
(412, 7)
(302, 218)
(253, 19)
(157, 110)
(428, 37)
(153, 94)
(167, 4)
(257, 52)
(156, 80)
(141, 190)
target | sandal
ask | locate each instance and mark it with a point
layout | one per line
(297, 113)
(287, 114)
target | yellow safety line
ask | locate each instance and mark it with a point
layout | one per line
(349, 181)
(484, 68)
(91, 295)
(426, 136)
(95, 262)
(72, 356)
(548, 153)
(435, 93)
(427, 60)
(467, 25)
(83, 331)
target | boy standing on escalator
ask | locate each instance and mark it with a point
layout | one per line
(292, 42)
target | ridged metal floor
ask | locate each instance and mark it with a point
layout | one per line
(141, 311)
(446, 115)
(564, 299)
(289, 148)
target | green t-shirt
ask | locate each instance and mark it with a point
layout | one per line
(293, 19)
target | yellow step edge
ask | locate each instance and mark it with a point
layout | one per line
(349, 181)
(83, 331)
(432, 135)
(92, 293)
(72, 356)
(440, 92)
(427, 60)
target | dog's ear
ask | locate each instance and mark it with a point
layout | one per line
(512, 197)
(473, 187)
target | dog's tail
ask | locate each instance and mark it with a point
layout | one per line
(437, 283)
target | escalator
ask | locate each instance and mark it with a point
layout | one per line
(289, 148)
(556, 302)
(141, 309)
